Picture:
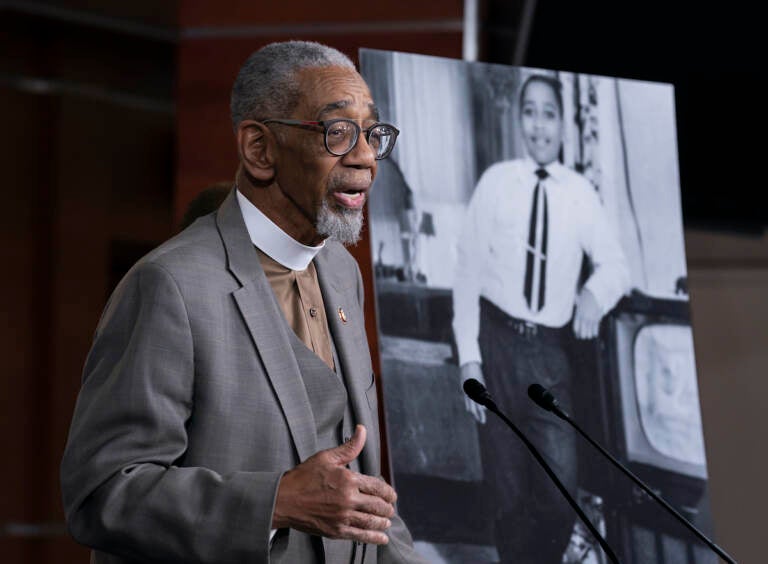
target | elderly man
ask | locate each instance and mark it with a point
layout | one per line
(228, 411)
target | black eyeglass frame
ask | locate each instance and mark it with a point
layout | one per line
(326, 124)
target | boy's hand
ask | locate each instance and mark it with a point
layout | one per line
(472, 370)
(586, 321)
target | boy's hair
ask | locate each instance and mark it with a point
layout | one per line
(553, 83)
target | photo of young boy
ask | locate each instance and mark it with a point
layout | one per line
(545, 206)
(515, 300)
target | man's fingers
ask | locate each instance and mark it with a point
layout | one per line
(362, 535)
(321, 496)
(363, 527)
(377, 488)
(373, 506)
(367, 522)
(354, 525)
(346, 453)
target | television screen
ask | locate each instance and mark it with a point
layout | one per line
(659, 395)
(667, 395)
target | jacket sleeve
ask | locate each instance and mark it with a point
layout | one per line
(123, 492)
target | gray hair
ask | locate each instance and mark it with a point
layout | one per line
(267, 85)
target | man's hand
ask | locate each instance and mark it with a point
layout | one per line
(321, 496)
(586, 321)
(472, 370)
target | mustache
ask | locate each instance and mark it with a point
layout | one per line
(360, 180)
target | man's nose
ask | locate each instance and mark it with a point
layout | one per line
(362, 154)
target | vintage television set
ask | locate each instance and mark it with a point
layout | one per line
(651, 420)
(658, 391)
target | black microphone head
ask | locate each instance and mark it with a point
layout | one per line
(477, 392)
(543, 397)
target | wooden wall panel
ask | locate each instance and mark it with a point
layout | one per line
(244, 13)
(146, 12)
(87, 160)
(24, 253)
(75, 194)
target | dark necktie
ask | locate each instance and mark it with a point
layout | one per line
(535, 252)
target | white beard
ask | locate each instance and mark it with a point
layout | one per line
(342, 224)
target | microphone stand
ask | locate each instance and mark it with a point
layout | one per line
(545, 400)
(484, 399)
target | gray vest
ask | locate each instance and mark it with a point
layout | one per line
(334, 423)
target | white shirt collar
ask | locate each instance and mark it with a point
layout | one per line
(272, 240)
(554, 169)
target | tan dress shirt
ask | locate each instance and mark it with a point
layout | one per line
(299, 296)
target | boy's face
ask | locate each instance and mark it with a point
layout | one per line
(541, 122)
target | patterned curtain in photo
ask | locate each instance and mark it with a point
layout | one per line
(431, 101)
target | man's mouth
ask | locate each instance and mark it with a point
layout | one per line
(352, 198)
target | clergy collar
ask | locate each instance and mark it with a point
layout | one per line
(273, 241)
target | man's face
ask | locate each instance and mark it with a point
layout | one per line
(329, 191)
(541, 122)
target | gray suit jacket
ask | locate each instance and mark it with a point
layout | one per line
(192, 405)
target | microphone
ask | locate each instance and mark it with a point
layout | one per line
(547, 401)
(478, 393)
(544, 399)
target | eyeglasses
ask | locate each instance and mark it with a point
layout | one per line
(341, 135)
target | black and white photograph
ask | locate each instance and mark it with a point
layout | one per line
(527, 231)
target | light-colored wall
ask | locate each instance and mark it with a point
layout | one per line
(728, 281)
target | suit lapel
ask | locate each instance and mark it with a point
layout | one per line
(260, 312)
(351, 345)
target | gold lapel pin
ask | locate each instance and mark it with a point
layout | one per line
(342, 316)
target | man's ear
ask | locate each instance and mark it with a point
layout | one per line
(256, 145)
